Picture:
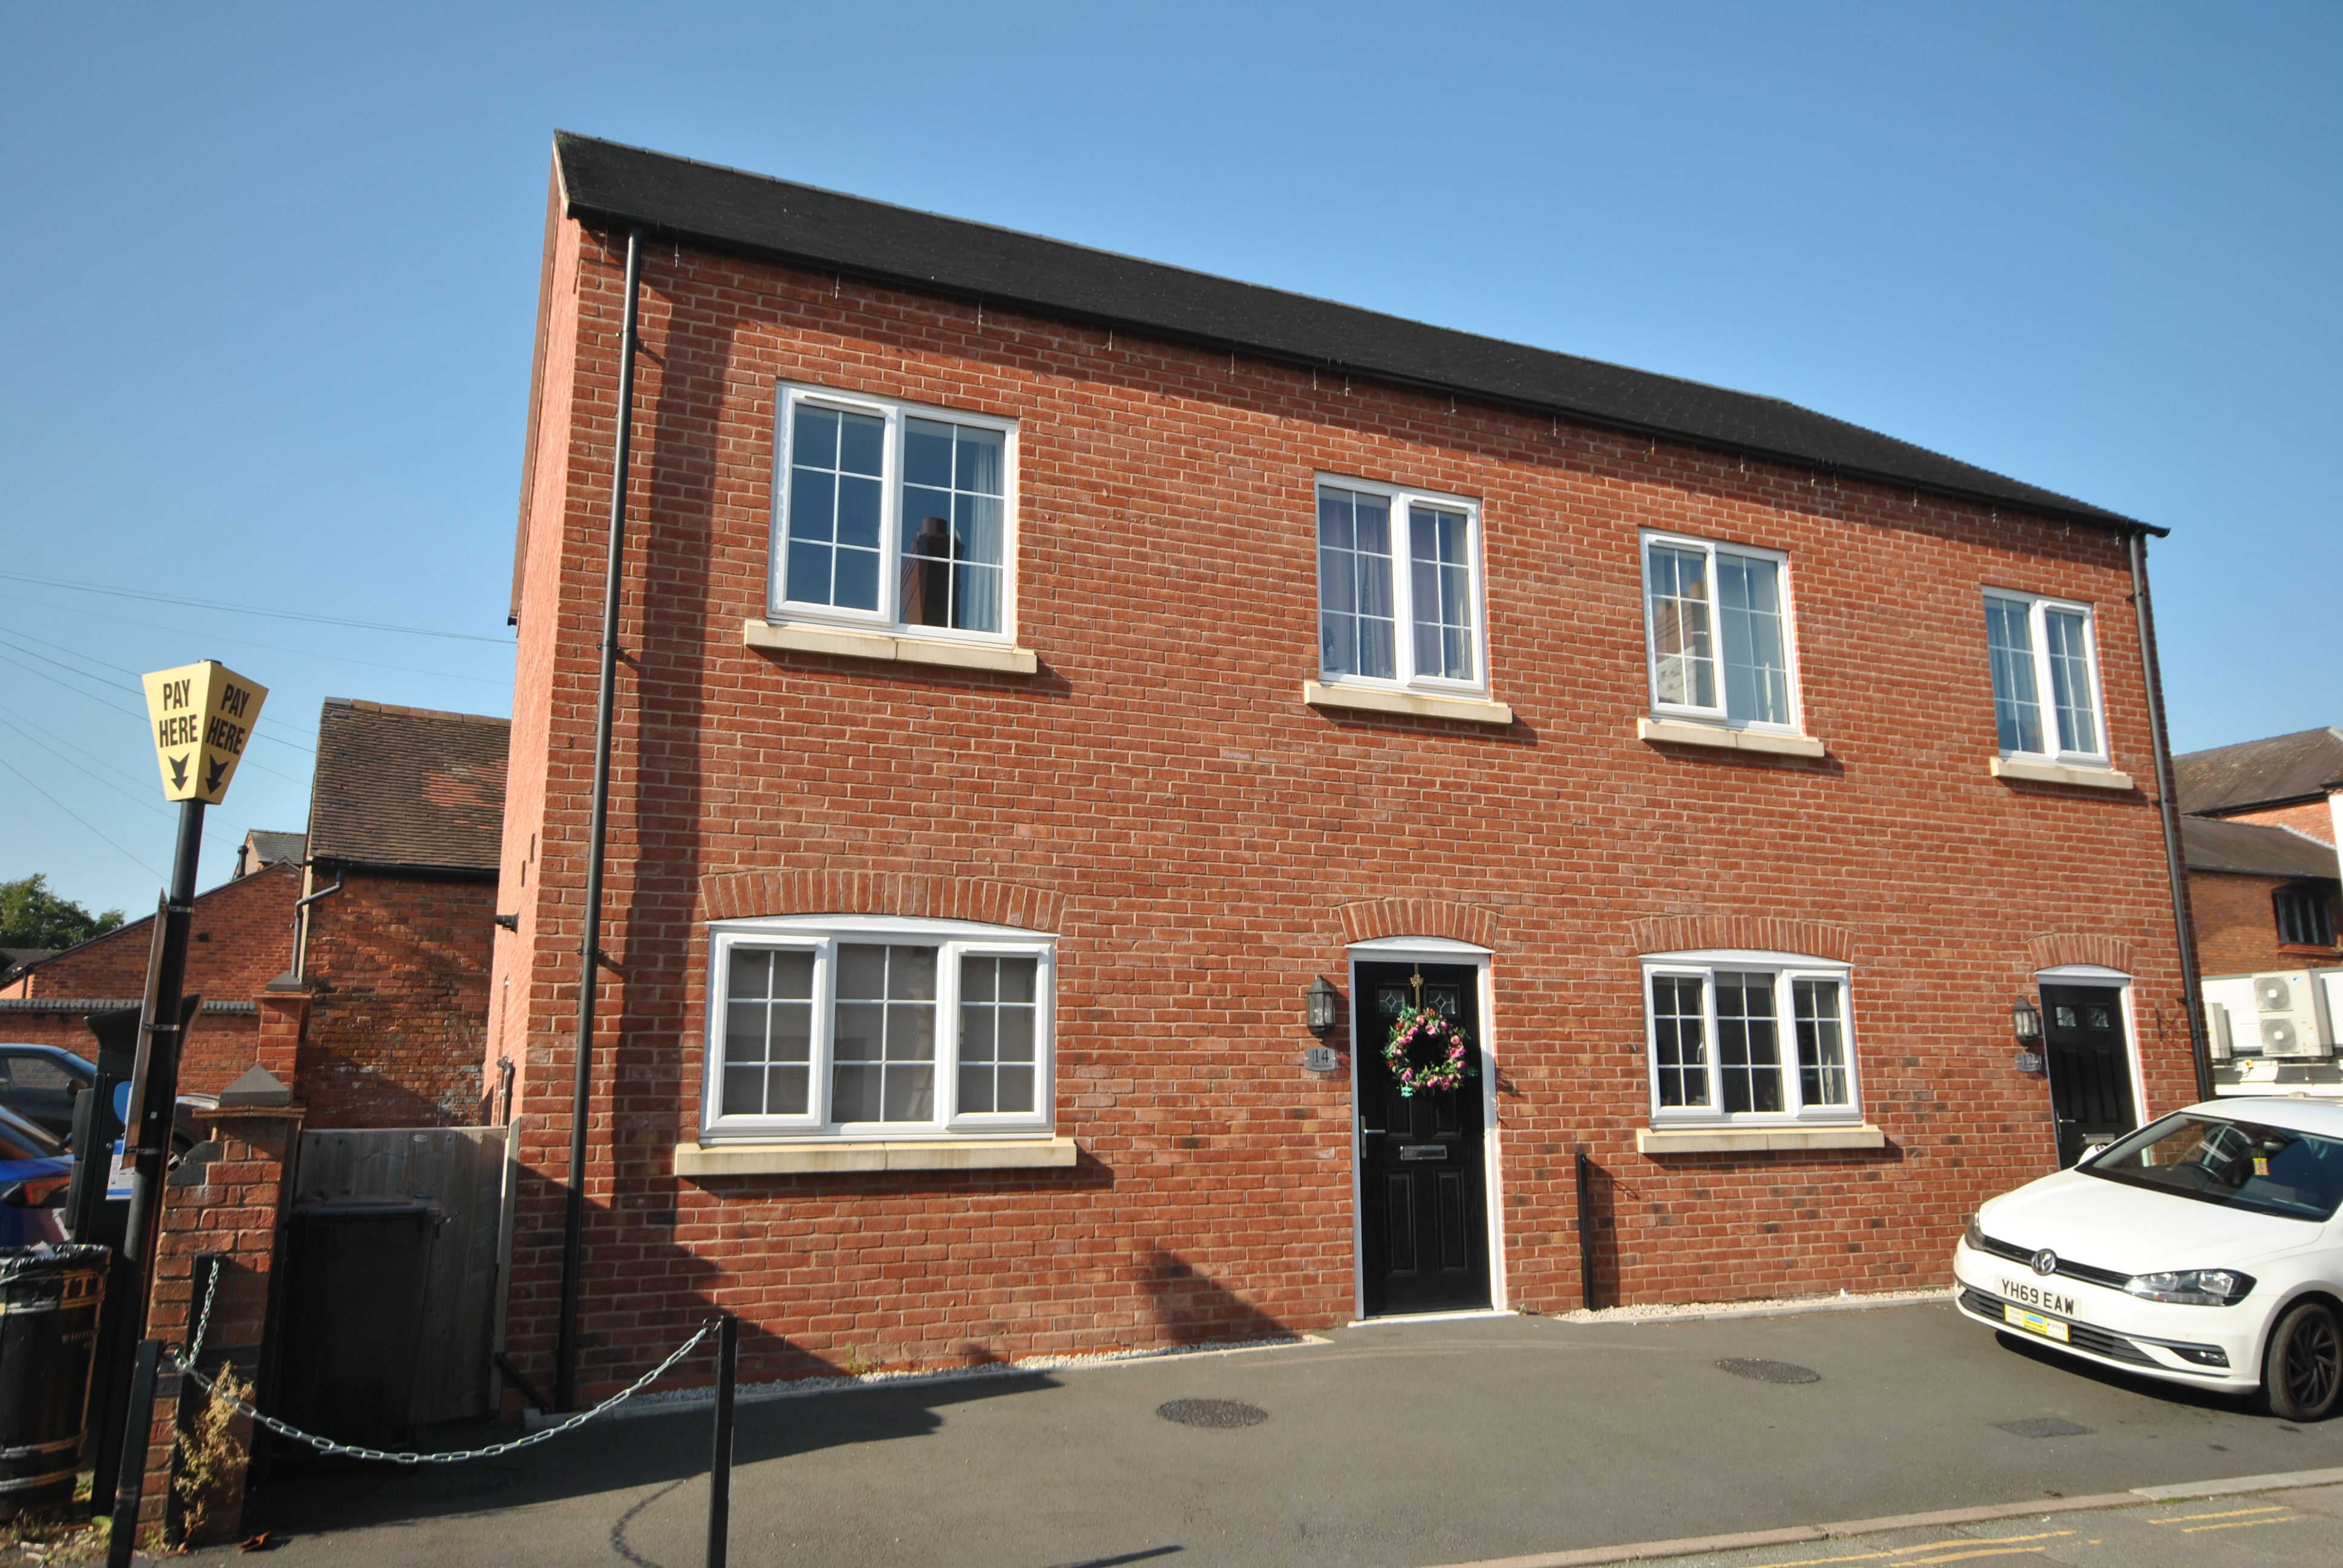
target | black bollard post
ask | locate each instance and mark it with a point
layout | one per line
(136, 1427)
(719, 1463)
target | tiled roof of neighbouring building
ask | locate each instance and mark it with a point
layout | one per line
(407, 787)
(2297, 766)
(2212, 844)
(729, 209)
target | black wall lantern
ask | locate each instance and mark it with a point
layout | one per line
(1318, 1007)
(2025, 1022)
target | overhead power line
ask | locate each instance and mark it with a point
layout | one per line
(141, 717)
(68, 811)
(153, 597)
(246, 642)
(6, 642)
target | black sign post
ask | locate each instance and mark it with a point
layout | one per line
(147, 1140)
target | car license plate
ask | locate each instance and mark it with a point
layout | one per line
(2034, 1324)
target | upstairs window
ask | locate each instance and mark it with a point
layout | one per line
(1734, 1036)
(893, 514)
(1717, 621)
(2304, 917)
(1399, 588)
(2045, 678)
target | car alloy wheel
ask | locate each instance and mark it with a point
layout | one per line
(2303, 1374)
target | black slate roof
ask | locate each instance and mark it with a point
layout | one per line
(407, 787)
(2213, 845)
(2297, 767)
(606, 183)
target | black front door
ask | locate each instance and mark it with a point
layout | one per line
(2090, 1071)
(1424, 1229)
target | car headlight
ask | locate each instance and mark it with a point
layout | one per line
(1975, 1234)
(2193, 1287)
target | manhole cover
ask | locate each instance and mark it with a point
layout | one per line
(1771, 1372)
(2043, 1426)
(1211, 1412)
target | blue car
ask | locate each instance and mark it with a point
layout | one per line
(35, 1171)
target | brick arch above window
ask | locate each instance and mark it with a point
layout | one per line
(1370, 919)
(1759, 933)
(744, 895)
(2060, 949)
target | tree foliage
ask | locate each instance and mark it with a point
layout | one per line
(33, 917)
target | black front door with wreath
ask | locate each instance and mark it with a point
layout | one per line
(1424, 1229)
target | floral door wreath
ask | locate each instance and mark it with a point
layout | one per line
(1427, 1053)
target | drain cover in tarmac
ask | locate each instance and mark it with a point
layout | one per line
(1772, 1371)
(2043, 1426)
(1211, 1412)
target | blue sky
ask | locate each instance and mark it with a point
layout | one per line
(274, 272)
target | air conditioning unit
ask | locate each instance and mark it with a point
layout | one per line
(2290, 1015)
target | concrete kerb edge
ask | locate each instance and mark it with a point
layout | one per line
(689, 1399)
(2140, 1496)
(1795, 1306)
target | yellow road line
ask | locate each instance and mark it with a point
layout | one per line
(1924, 1546)
(2232, 1513)
(2240, 1524)
(1989, 1552)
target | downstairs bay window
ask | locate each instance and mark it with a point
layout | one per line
(839, 1027)
(1748, 1037)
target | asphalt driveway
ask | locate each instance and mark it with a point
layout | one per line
(1396, 1445)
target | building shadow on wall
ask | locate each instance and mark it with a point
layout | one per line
(1191, 1308)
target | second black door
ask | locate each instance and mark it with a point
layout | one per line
(2089, 1066)
(1424, 1229)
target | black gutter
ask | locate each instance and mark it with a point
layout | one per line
(2174, 858)
(590, 951)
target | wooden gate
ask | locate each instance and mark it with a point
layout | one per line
(460, 1172)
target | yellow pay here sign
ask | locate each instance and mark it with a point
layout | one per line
(203, 714)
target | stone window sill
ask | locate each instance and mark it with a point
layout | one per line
(1754, 1139)
(1419, 704)
(1673, 732)
(2298, 949)
(811, 1157)
(798, 637)
(2057, 773)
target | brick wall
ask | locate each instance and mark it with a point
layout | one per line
(2311, 818)
(2237, 926)
(1201, 830)
(228, 1197)
(220, 1045)
(396, 968)
(239, 936)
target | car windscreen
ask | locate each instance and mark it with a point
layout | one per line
(23, 1139)
(2236, 1164)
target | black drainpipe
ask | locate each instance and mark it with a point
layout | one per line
(590, 951)
(2176, 863)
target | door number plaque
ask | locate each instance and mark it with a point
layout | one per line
(1320, 1058)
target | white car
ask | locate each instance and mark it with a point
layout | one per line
(2203, 1249)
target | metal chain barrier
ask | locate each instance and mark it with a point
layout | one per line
(186, 1362)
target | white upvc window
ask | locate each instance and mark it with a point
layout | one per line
(1749, 1037)
(2045, 678)
(1399, 588)
(862, 1027)
(1718, 633)
(892, 516)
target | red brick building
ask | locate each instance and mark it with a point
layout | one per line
(239, 936)
(1038, 668)
(388, 994)
(2263, 885)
